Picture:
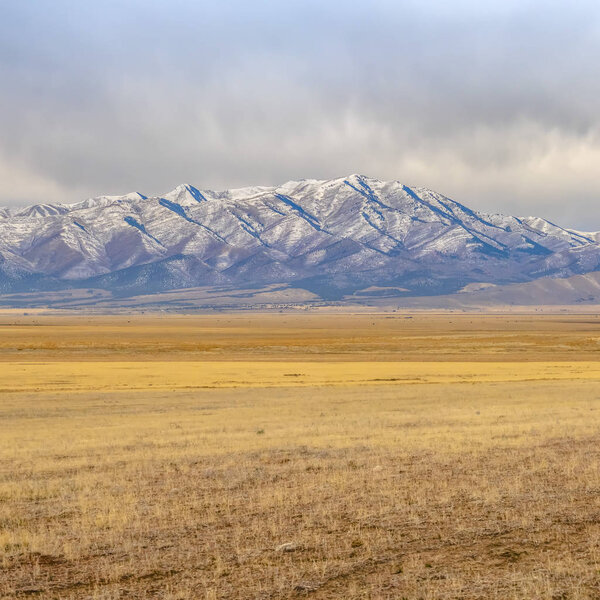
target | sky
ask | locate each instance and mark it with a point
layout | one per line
(494, 104)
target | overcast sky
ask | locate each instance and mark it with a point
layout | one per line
(494, 103)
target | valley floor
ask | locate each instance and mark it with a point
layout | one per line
(293, 455)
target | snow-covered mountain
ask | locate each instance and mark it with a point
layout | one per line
(330, 237)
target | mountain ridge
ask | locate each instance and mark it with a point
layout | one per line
(331, 237)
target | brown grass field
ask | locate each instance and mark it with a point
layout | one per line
(262, 456)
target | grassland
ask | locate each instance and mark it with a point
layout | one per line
(291, 456)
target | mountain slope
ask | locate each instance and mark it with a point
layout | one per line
(330, 237)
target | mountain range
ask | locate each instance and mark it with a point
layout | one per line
(336, 238)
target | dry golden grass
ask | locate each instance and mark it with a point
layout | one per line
(164, 471)
(288, 337)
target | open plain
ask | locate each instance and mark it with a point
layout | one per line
(293, 455)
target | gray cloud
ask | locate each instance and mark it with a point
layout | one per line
(495, 105)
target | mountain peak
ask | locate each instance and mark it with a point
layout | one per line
(120, 198)
(358, 176)
(185, 193)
